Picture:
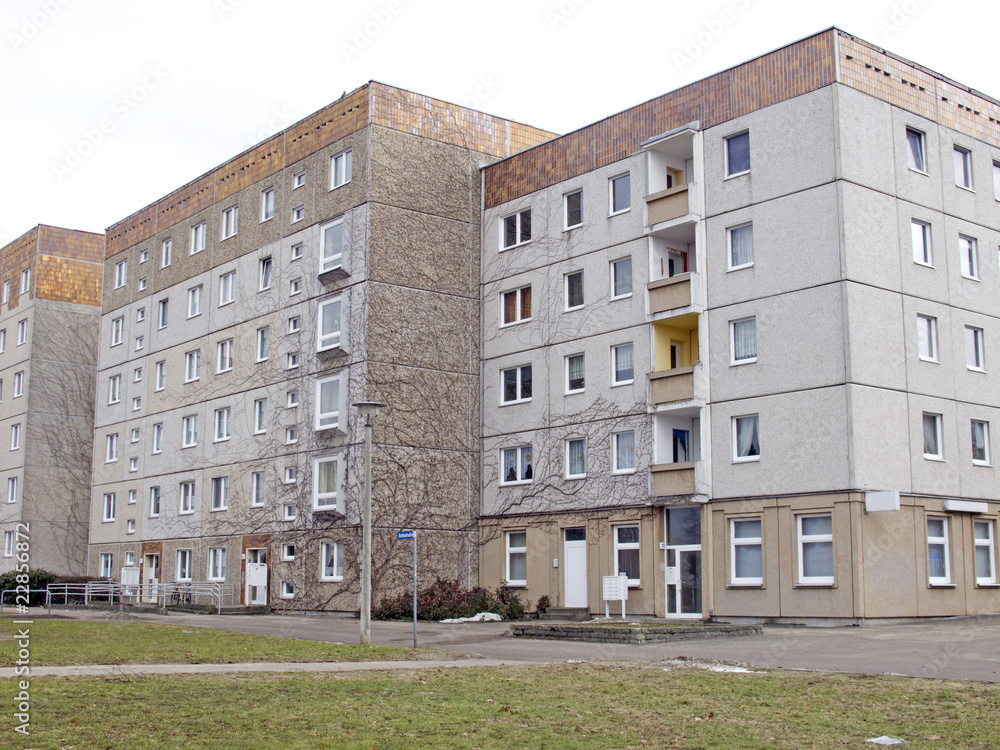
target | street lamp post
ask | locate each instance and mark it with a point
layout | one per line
(367, 409)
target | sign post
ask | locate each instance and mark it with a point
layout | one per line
(412, 535)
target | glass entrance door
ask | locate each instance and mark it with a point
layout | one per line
(682, 562)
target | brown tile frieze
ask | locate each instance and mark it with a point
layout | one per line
(66, 280)
(65, 265)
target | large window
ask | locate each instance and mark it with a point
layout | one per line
(107, 566)
(258, 486)
(740, 246)
(341, 168)
(260, 416)
(980, 442)
(746, 438)
(194, 301)
(620, 193)
(737, 154)
(747, 552)
(109, 507)
(220, 493)
(121, 273)
(267, 204)
(968, 256)
(197, 238)
(190, 431)
(975, 354)
(624, 452)
(516, 229)
(263, 343)
(331, 246)
(329, 315)
(158, 437)
(112, 448)
(963, 167)
(743, 341)
(187, 497)
(517, 558)
(933, 448)
(920, 234)
(117, 331)
(224, 359)
(517, 306)
(575, 373)
(515, 465)
(167, 248)
(227, 288)
(154, 502)
(183, 565)
(927, 343)
(576, 458)
(265, 273)
(938, 557)
(573, 203)
(162, 311)
(230, 222)
(192, 365)
(222, 424)
(574, 290)
(326, 482)
(816, 549)
(328, 403)
(217, 563)
(621, 278)
(114, 387)
(331, 562)
(622, 364)
(916, 151)
(627, 553)
(986, 570)
(515, 384)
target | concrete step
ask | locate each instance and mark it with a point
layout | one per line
(566, 614)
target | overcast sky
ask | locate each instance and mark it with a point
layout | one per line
(108, 105)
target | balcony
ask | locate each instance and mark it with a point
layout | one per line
(669, 204)
(668, 386)
(671, 293)
(673, 479)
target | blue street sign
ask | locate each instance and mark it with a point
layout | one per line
(404, 534)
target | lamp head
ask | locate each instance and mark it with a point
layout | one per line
(368, 408)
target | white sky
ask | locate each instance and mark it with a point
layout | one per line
(180, 86)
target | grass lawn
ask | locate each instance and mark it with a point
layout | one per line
(71, 642)
(545, 706)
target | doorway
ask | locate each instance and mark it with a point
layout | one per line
(682, 562)
(150, 577)
(575, 567)
(256, 584)
(682, 446)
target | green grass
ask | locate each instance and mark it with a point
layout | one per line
(545, 706)
(72, 642)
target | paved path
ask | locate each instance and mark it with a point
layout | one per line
(961, 648)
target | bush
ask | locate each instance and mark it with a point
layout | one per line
(446, 599)
(543, 604)
(37, 579)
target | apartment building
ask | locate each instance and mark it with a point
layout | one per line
(738, 343)
(49, 317)
(243, 315)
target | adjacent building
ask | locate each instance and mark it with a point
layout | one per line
(737, 346)
(49, 317)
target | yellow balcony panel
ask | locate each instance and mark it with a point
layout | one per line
(672, 385)
(673, 479)
(668, 204)
(670, 293)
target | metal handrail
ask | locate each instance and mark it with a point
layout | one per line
(48, 596)
(216, 592)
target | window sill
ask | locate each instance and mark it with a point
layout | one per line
(942, 585)
(745, 586)
(970, 278)
(966, 188)
(932, 361)
(516, 245)
(219, 510)
(739, 362)
(573, 309)
(515, 403)
(987, 585)
(108, 520)
(623, 472)
(746, 460)
(939, 459)
(575, 477)
(574, 393)
(802, 585)
(739, 268)
(221, 440)
(621, 296)
(515, 484)
(736, 174)
(515, 323)
(985, 464)
(976, 369)
(919, 171)
(619, 213)
(575, 226)
(185, 512)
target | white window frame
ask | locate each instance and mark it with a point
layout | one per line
(329, 340)
(157, 438)
(566, 290)
(938, 437)
(615, 381)
(987, 453)
(160, 375)
(108, 508)
(166, 251)
(140, 342)
(292, 362)
(726, 157)
(220, 493)
(299, 179)
(735, 542)
(294, 324)
(265, 272)
(996, 180)
(230, 224)
(729, 246)
(19, 386)
(326, 500)
(624, 546)
(266, 204)
(963, 167)
(987, 542)
(293, 399)
(222, 424)
(217, 563)
(11, 490)
(287, 589)
(199, 234)
(135, 435)
(570, 443)
(519, 397)
(130, 526)
(15, 437)
(341, 168)
(328, 420)
(331, 551)
(184, 557)
(258, 489)
(518, 550)
(132, 497)
(117, 331)
(519, 299)
(162, 313)
(6, 289)
(8, 544)
(943, 541)
(186, 493)
(518, 452)
(129, 559)
(927, 338)
(227, 288)
(3, 340)
(25, 280)
(22, 330)
(331, 261)
(224, 356)
(133, 464)
(154, 502)
(192, 365)
(260, 416)
(291, 475)
(570, 390)
(111, 448)
(737, 458)
(107, 565)
(288, 552)
(747, 360)
(142, 284)
(616, 467)
(296, 251)
(614, 278)
(136, 403)
(975, 349)
(917, 162)
(263, 343)
(194, 301)
(566, 225)
(968, 256)
(517, 221)
(291, 435)
(298, 213)
(804, 539)
(121, 273)
(189, 431)
(612, 211)
(295, 287)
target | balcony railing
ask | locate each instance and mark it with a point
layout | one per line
(667, 386)
(668, 204)
(673, 479)
(670, 293)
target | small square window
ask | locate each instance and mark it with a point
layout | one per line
(291, 435)
(140, 342)
(133, 464)
(136, 403)
(293, 360)
(143, 255)
(620, 193)
(140, 314)
(298, 179)
(298, 214)
(135, 434)
(287, 552)
(738, 154)
(291, 474)
(294, 286)
(294, 324)
(142, 284)
(293, 399)
(132, 497)
(289, 511)
(287, 590)
(296, 251)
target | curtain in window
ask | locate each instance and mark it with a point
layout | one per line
(742, 242)
(576, 380)
(745, 339)
(526, 463)
(979, 441)
(930, 435)
(510, 466)
(623, 277)
(526, 381)
(625, 451)
(747, 441)
(623, 363)
(749, 561)
(510, 307)
(331, 320)
(577, 457)
(817, 559)
(984, 562)
(526, 303)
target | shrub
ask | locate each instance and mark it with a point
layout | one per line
(543, 604)
(445, 599)
(37, 579)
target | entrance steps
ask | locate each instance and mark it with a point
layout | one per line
(566, 614)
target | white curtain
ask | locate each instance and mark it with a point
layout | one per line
(745, 339)
(747, 441)
(979, 441)
(576, 371)
(930, 435)
(623, 363)
(742, 245)
(625, 449)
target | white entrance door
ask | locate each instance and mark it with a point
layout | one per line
(256, 577)
(575, 567)
(151, 576)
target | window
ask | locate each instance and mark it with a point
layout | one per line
(230, 222)
(915, 151)
(515, 384)
(25, 280)
(329, 324)
(220, 493)
(111, 454)
(117, 331)
(8, 544)
(746, 438)
(263, 343)
(747, 552)
(187, 497)
(516, 229)
(968, 257)
(298, 214)
(963, 167)
(932, 437)
(517, 558)
(260, 416)
(166, 249)
(575, 380)
(130, 557)
(265, 273)
(224, 358)
(326, 482)
(121, 273)
(624, 452)
(927, 347)
(516, 465)
(996, 180)
(331, 246)
(140, 341)
(197, 238)
(3, 339)
(133, 464)
(737, 154)
(296, 251)
(130, 526)
(985, 553)
(227, 288)
(216, 563)
(740, 246)
(112, 388)
(980, 442)
(620, 193)
(627, 553)
(938, 562)
(621, 278)
(975, 356)
(288, 552)
(222, 424)
(293, 361)
(816, 549)
(190, 431)
(267, 205)
(576, 458)
(574, 209)
(109, 507)
(142, 283)
(194, 301)
(517, 306)
(162, 309)
(574, 290)
(132, 497)
(294, 324)
(340, 169)
(921, 237)
(161, 375)
(12, 490)
(287, 590)
(293, 399)
(183, 565)
(257, 488)
(743, 340)
(154, 502)
(15, 437)
(622, 366)
(6, 289)
(298, 179)
(192, 365)
(291, 475)
(328, 403)
(136, 403)
(135, 434)
(107, 565)
(158, 437)
(291, 435)
(332, 562)
(294, 287)
(22, 330)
